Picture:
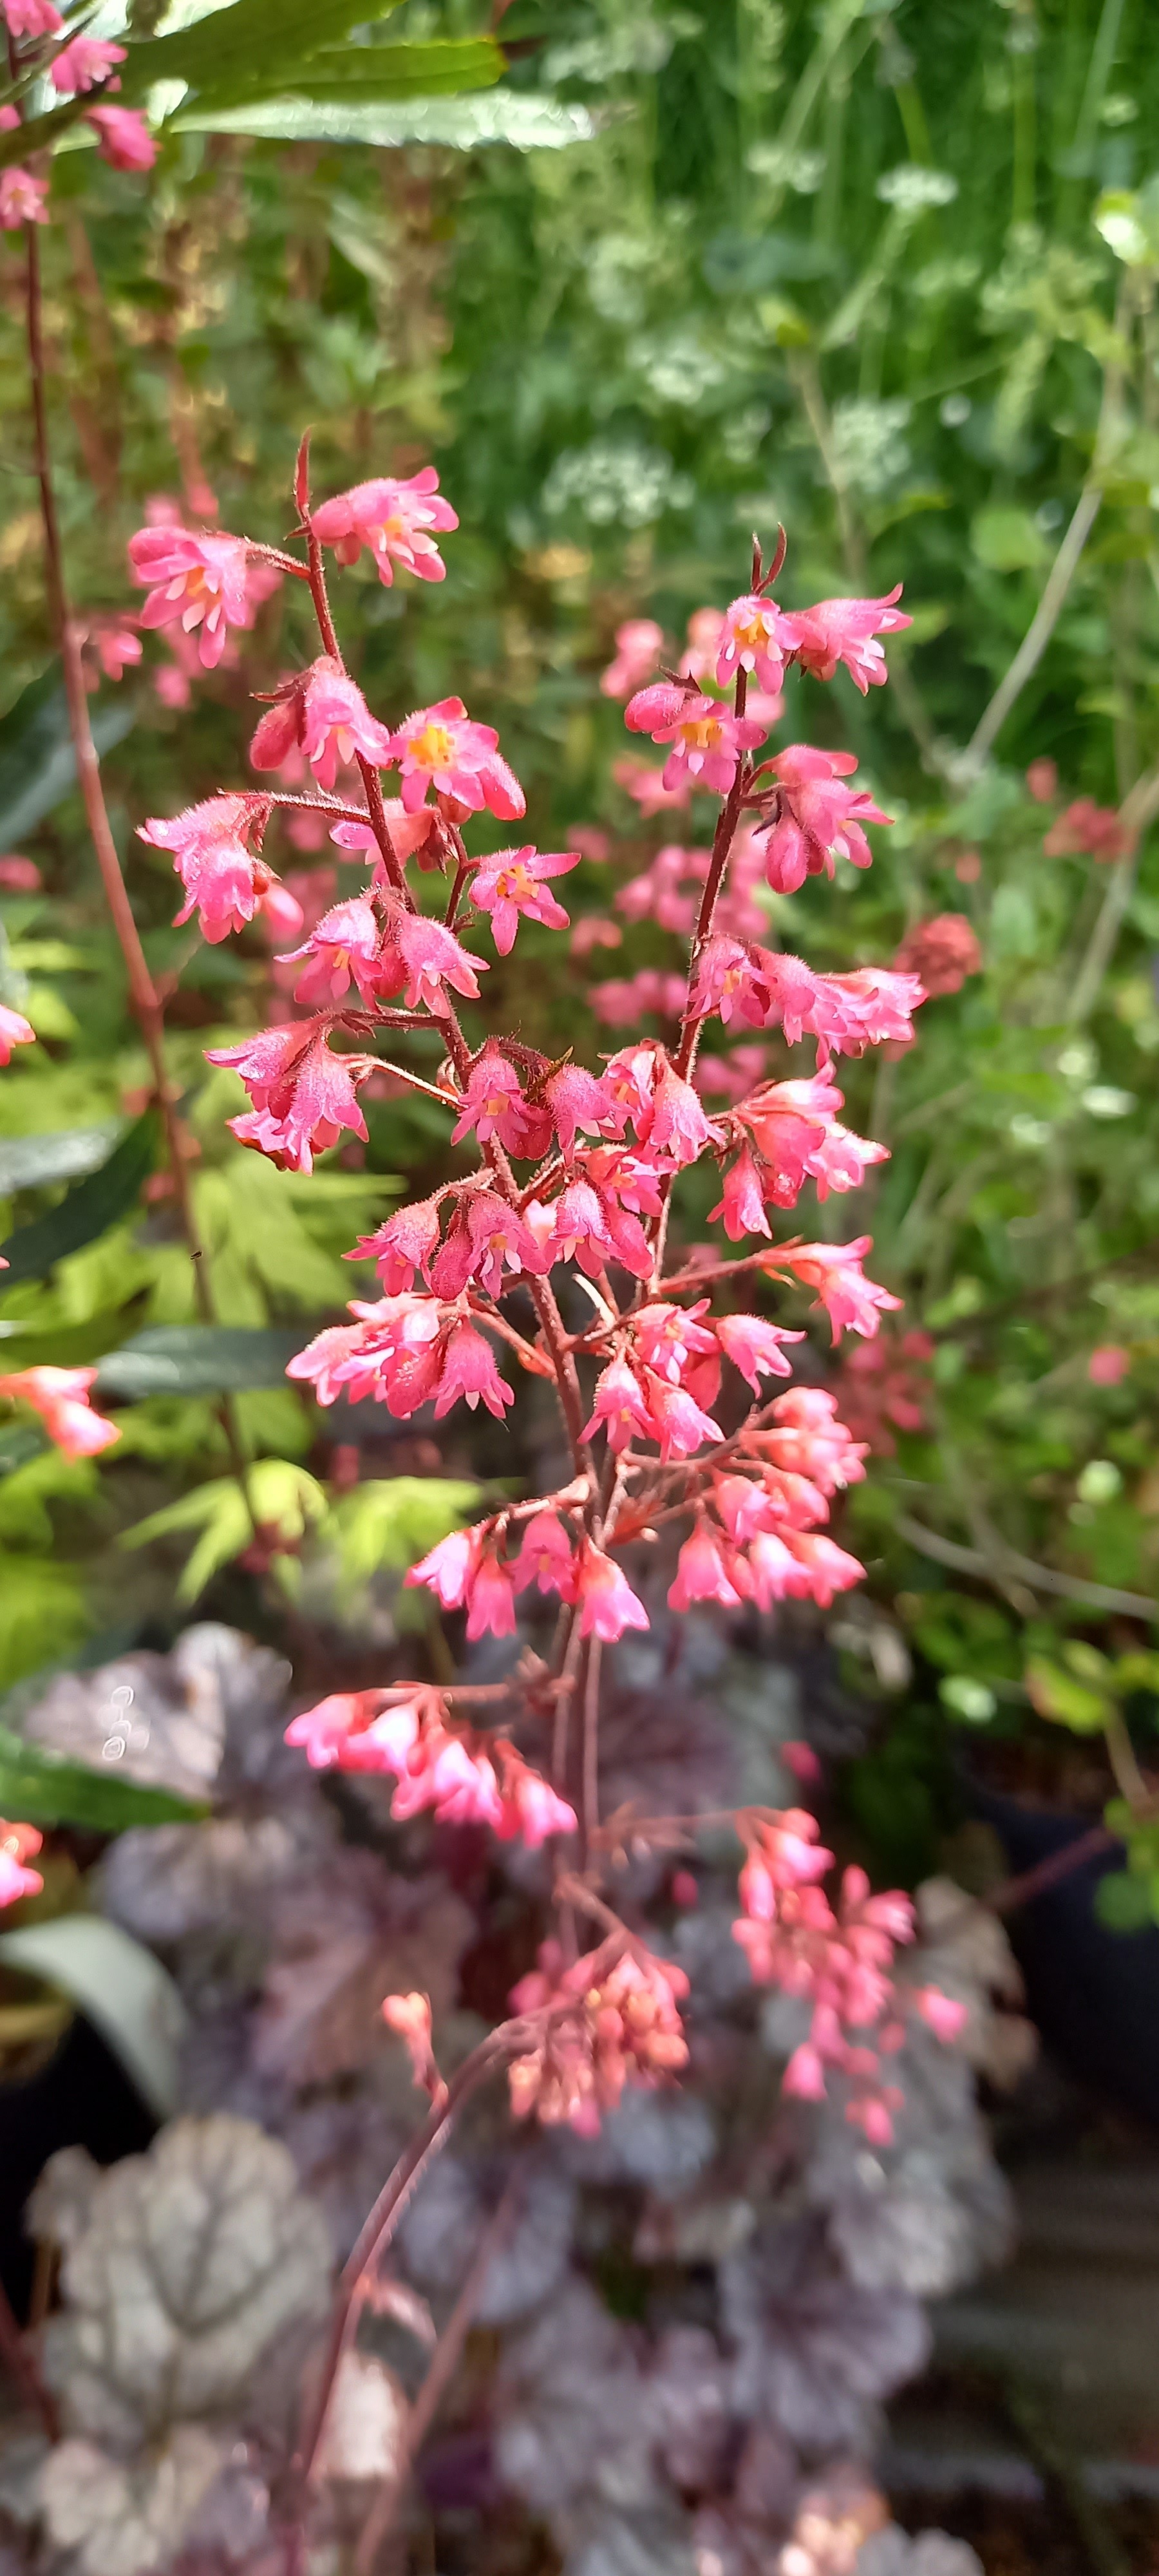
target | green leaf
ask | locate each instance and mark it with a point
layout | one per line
(233, 47)
(39, 1788)
(88, 1209)
(390, 1523)
(1058, 1695)
(460, 125)
(66, 1345)
(20, 1442)
(37, 763)
(42, 1613)
(197, 1359)
(446, 67)
(1124, 1903)
(118, 1985)
(1007, 540)
(31, 1162)
(283, 1499)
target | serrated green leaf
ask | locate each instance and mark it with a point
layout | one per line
(37, 763)
(118, 1984)
(1059, 1696)
(64, 1154)
(500, 115)
(279, 1496)
(389, 1523)
(88, 1209)
(197, 1359)
(1124, 1903)
(39, 1788)
(244, 42)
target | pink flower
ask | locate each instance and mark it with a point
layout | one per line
(546, 1558)
(531, 1809)
(646, 785)
(31, 18)
(83, 64)
(18, 1844)
(432, 957)
(325, 1732)
(450, 1568)
(19, 876)
(511, 882)
(834, 1269)
(820, 820)
(705, 639)
(115, 642)
(620, 1408)
(407, 832)
(845, 630)
(392, 520)
(484, 1237)
(61, 1397)
(639, 644)
(621, 1004)
(678, 1127)
(702, 1572)
(494, 1105)
(941, 953)
(623, 2028)
(943, 2014)
(225, 879)
(1042, 781)
(753, 638)
(1086, 827)
(409, 2017)
(403, 1244)
(202, 581)
(1108, 1364)
(754, 1347)
(576, 1099)
(608, 1604)
(123, 139)
(743, 1202)
(492, 1607)
(345, 945)
(706, 740)
(326, 716)
(469, 1371)
(681, 1425)
(828, 1569)
(591, 1228)
(440, 747)
(15, 1031)
(302, 1095)
(23, 200)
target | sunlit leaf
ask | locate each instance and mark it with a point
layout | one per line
(498, 116)
(39, 1788)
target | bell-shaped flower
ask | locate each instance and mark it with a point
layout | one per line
(201, 581)
(678, 1128)
(469, 1371)
(639, 644)
(546, 1557)
(682, 1427)
(84, 64)
(32, 18)
(706, 741)
(620, 1408)
(23, 199)
(61, 1397)
(828, 1569)
(672, 1339)
(303, 1096)
(344, 947)
(440, 747)
(851, 1301)
(124, 141)
(512, 882)
(18, 1844)
(325, 716)
(449, 1569)
(743, 1203)
(531, 1810)
(821, 820)
(576, 1099)
(491, 1611)
(590, 1228)
(702, 1572)
(754, 1347)
(393, 520)
(845, 630)
(608, 1605)
(494, 1104)
(432, 957)
(216, 849)
(753, 639)
(402, 1244)
(15, 1031)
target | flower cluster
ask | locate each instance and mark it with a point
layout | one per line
(840, 1963)
(608, 2026)
(61, 1397)
(80, 65)
(435, 1762)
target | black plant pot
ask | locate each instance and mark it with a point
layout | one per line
(82, 2098)
(1094, 1994)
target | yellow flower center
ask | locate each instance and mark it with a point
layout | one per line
(702, 734)
(433, 748)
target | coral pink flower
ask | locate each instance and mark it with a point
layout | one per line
(344, 946)
(469, 1371)
(325, 1732)
(943, 2014)
(19, 876)
(1086, 827)
(18, 1844)
(681, 1425)
(531, 1809)
(23, 200)
(115, 643)
(407, 832)
(639, 644)
(829, 1569)
(705, 639)
(124, 140)
(592, 1229)
(623, 2027)
(754, 1347)
(403, 1244)
(201, 581)
(84, 63)
(820, 820)
(546, 1557)
(449, 1569)
(511, 882)
(834, 1269)
(492, 1607)
(870, 1007)
(702, 1572)
(325, 715)
(302, 1095)
(706, 740)
(432, 957)
(678, 1127)
(393, 521)
(485, 1236)
(941, 953)
(753, 638)
(441, 747)
(622, 1004)
(409, 2017)
(742, 1205)
(31, 18)
(620, 1408)
(646, 786)
(576, 1099)
(494, 1105)
(61, 1397)
(608, 1604)
(845, 630)
(15, 1031)
(1108, 1364)
(225, 879)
